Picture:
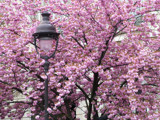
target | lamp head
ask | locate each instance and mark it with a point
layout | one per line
(46, 33)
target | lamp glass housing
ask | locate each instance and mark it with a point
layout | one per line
(46, 43)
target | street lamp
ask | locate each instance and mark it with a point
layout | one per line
(46, 34)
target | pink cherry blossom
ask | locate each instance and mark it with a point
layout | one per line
(106, 65)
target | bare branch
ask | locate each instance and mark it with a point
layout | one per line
(84, 36)
(151, 84)
(17, 89)
(77, 42)
(121, 30)
(66, 102)
(85, 94)
(4, 82)
(114, 66)
(14, 32)
(103, 53)
(19, 102)
(93, 93)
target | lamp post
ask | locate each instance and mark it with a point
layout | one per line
(46, 34)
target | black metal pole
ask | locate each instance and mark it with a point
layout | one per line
(46, 99)
(46, 67)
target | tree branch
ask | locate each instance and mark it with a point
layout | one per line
(85, 94)
(84, 37)
(94, 89)
(114, 66)
(103, 53)
(14, 32)
(150, 84)
(17, 89)
(121, 30)
(19, 102)
(95, 116)
(4, 82)
(77, 42)
(66, 102)
(104, 117)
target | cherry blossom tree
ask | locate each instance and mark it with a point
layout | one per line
(115, 79)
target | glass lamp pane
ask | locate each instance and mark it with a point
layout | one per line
(46, 45)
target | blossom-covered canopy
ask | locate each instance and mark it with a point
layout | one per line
(107, 64)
